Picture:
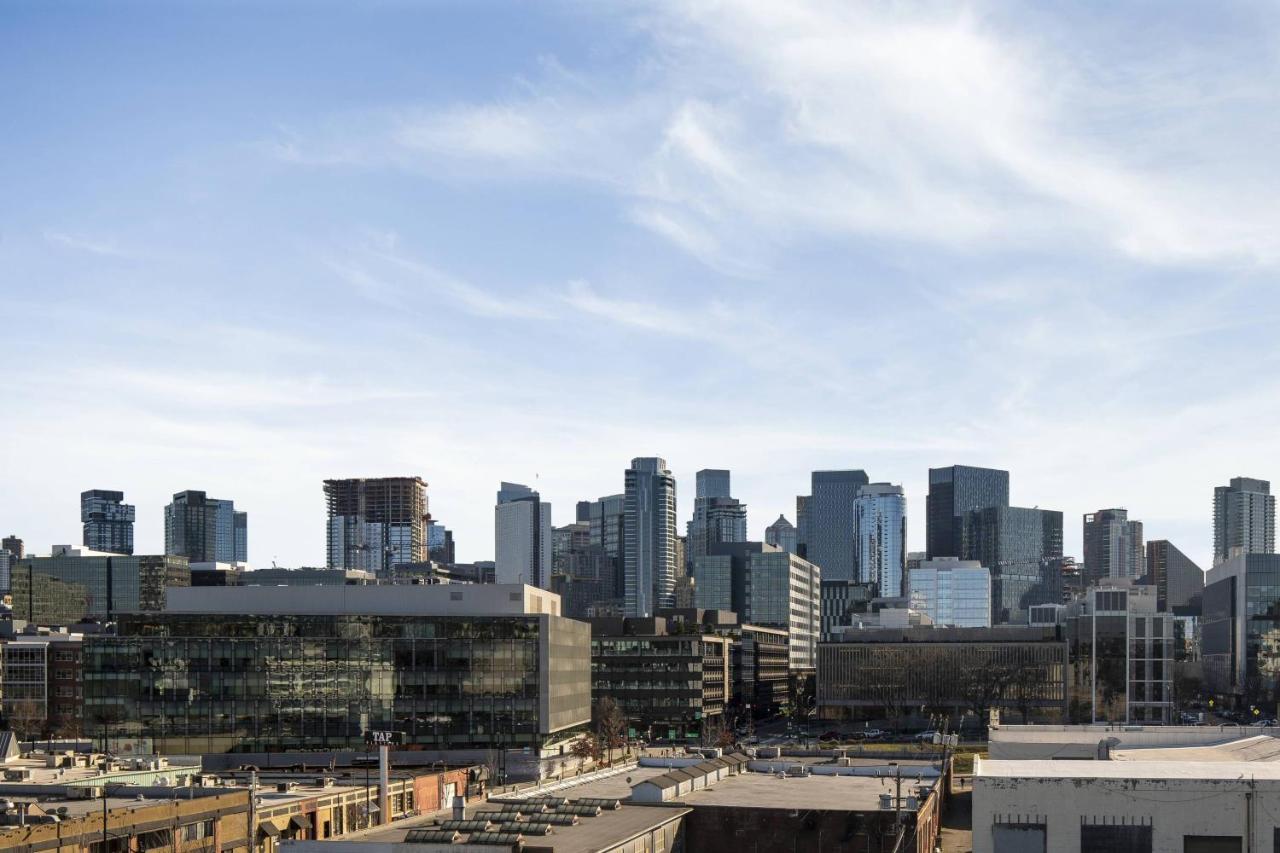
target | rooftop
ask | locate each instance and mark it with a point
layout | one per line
(821, 793)
(1256, 748)
(1127, 770)
(407, 600)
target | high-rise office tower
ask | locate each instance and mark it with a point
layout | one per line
(953, 593)
(649, 537)
(376, 523)
(1244, 518)
(781, 534)
(717, 517)
(13, 545)
(440, 544)
(566, 541)
(1021, 547)
(880, 537)
(205, 529)
(1178, 580)
(954, 491)
(108, 521)
(830, 542)
(1112, 546)
(802, 525)
(605, 516)
(522, 537)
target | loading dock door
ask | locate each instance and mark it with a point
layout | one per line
(1211, 844)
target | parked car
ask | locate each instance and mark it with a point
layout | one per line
(869, 734)
(925, 737)
(829, 735)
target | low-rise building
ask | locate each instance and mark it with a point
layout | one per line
(953, 593)
(667, 684)
(73, 584)
(885, 672)
(1239, 627)
(43, 686)
(257, 669)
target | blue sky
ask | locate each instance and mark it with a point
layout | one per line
(245, 247)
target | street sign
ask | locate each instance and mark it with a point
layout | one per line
(375, 738)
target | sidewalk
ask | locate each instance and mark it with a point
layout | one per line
(957, 820)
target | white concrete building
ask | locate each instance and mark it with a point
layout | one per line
(1165, 806)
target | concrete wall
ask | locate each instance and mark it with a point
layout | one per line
(1173, 807)
(726, 829)
(1034, 742)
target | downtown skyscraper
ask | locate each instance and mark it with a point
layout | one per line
(107, 520)
(205, 529)
(880, 537)
(1113, 546)
(827, 522)
(953, 491)
(649, 537)
(1244, 518)
(522, 537)
(717, 516)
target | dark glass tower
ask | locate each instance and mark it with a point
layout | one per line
(1021, 547)
(108, 521)
(954, 491)
(830, 515)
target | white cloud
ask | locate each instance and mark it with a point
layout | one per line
(80, 243)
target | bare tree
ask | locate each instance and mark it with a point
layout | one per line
(610, 725)
(983, 688)
(26, 717)
(586, 748)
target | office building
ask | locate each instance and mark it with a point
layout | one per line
(717, 517)
(802, 525)
(374, 524)
(649, 545)
(440, 548)
(6, 571)
(765, 586)
(1122, 655)
(1021, 547)
(712, 483)
(74, 584)
(1239, 628)
(953, 593)
(830, 516)
(567, 540)
(675, 698)
(13, 545)
(783, 590)
(1244, 518)
(1112, 546)
(1179, 582)
(880, 537)
(840, 602)
(782, 534)
(252, 669)
(760, 670)
(893, 672)
(606, 517)
(522, 536)
(205, 529)
(953, 491)
(43, 685)
(108, 521)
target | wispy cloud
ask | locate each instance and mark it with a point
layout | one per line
(80, 243)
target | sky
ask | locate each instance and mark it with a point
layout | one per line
(247, 247)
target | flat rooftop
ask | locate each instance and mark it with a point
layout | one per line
(1091, 734)
(403, 600)
(42, 775)
(822, 793)
(588, 836)
(1257, 748)
(1057, 769)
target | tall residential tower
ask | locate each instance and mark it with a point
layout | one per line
(1244, 518)
(205, 529)
(649, 536)
(376, 523)
(108, 521)
(522, 537)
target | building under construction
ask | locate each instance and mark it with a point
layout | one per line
(375, 524)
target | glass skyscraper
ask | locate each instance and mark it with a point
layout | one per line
(522, 536)
(880, 537)
(782, 534)
(376, 523)
(717, 517)
(829, 541)
(1021, 546)
(1240, 628)
(1113, 546)
(1244, 518)
(205, 529)
(108, 521)
(649, 537)
(954, 491)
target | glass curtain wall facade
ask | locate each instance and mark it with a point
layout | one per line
(1244, 518)
(954, 491)
(784, 591)
(67, 588)
(953, 593)
(1021, 547)
(1240, 629)
(649, 537)
(1113, 546)
(880, 537)
(226, 683)
(829, 517)
(205, 529)
(377, 523)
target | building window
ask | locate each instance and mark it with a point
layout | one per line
(1115, 839)
(1210, 844)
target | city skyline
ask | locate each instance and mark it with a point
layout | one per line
(773, 238)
